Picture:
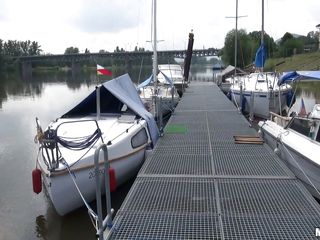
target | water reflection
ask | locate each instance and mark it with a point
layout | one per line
(309, 91)
(16, 86)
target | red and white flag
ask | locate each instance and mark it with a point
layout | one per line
(302, 111)
(103, 71)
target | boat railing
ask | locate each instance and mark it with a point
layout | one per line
(280, 120)
(103, 224)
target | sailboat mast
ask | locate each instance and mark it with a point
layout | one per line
(155, 56)
(262, 32)
(236, 41)
(262, 27)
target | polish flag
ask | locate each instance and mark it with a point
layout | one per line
(302, 111)
(103, 71)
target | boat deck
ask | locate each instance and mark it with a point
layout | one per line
(200, 184)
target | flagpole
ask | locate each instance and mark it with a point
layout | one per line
(98, 101)
(98, 96)
(100, 71)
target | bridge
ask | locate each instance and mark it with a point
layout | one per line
(80, 57)
(26, 62)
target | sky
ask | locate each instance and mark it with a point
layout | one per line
(106, 24)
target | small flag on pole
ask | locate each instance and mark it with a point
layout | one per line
(302, 111)
(103, 71)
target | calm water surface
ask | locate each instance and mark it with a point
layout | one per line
(23, 214)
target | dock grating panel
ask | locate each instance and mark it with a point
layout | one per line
(166, 226)
(269, 227)
(178, 164)
(183, 149)
(199, 184)
(261, 197)
(175, 195)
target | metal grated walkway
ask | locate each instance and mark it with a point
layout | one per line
(199, 184)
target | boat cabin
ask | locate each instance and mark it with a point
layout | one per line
(307, 126)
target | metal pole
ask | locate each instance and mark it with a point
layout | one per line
(107, 222)
(160, 116)
(251, 106)
(262, 32)
(241, 98)
(98, 102)
(155, 59)
(236, 41)
(155, 55)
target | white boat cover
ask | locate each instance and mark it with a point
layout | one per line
(118, 90)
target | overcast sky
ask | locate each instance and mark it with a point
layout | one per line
(105, 24)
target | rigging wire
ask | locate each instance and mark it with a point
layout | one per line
(296, 162)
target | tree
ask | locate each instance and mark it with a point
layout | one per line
(71, 50)
(286, 37)
(244, 46)
(269, 43)
(34, 49)
(290, 45)
(119, 50)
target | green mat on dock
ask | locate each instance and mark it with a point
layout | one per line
(176, 128)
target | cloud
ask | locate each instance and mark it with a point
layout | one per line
(99, 16)
(2, 10)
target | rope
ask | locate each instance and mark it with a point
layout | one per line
(79, 143)
(93, 216)
(296, 162)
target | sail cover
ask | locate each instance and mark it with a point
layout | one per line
(260, 56)
(113, 94)
(301, 75)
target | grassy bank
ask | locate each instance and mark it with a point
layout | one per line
(306, 61)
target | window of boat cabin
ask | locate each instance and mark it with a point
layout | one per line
(318, 135)
(301, 126)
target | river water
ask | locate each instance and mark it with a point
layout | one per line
(24, 214)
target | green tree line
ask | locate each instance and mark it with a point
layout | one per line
(15, 48)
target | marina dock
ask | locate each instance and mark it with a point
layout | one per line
(200, 183)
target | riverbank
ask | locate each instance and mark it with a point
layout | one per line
(306, 61)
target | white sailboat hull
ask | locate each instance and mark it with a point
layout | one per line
(168, 102)
(62, 190)
(263, 102)
(298, 153)
(124, 158)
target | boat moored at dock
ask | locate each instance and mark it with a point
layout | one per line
(112, 114)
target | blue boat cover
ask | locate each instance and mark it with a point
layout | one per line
(260, 56)
(145, 82)
(301, 75)
(113, 94)
(150, 81)
(169, 80)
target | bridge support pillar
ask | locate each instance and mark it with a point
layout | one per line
(127, 63)
(75, 69)
(26, 70)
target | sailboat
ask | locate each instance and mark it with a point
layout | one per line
(152, 89)
(113, 114)
(174, 72)
(296, 138)
(259, 92)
